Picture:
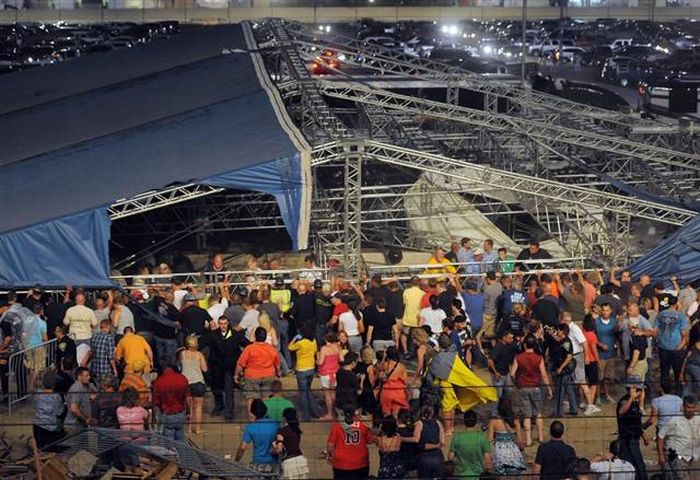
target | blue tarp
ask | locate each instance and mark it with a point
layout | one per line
(205, 119)
(40, 253)
(679, 255)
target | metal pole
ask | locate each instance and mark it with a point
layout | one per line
(523, 49)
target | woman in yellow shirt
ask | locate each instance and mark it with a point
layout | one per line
(305, 346)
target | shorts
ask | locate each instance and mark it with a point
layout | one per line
(258, 388)
(327, 381)
(592, 377)
(295, 468)
(261, 467)
(580, 370)
(531, 401)
(129, 456)
(198, 389)
(488, 327)
(606, 368)
(35, 359)
(639, 372)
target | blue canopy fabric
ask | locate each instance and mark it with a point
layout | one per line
(196, 118)
(679, 255)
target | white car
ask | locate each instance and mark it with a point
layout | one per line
(569, 54)
(621, 43)
(548, 46)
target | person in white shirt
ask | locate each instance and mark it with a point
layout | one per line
(218, 303)
(179, 292)
(80, 320)
(578, 343)
(679, 442)
(433, 316)
(610, 467)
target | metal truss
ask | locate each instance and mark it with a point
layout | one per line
(484, 176)
(101, 441)
(154, 199)
(569, 142)
(580, 207)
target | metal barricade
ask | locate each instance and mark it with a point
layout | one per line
(21, 366)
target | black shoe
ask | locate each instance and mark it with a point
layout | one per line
(573, 414)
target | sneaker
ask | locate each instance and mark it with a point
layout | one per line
(609, 399)
(596, 408)
(582, 405)
(589, 411)
(598, 401)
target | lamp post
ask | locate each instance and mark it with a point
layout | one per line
(523, 48)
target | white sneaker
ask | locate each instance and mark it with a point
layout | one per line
(589, 411)
(596, 408)
(582, 405)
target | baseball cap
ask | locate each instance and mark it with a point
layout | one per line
(189, 297)
(478, 251)
(279, 281)
(318, 284)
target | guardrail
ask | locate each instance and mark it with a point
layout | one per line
(317, 12)
(21, 364)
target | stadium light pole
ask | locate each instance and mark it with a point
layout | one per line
(523, 48)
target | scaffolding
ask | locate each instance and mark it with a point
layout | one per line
(584, 175)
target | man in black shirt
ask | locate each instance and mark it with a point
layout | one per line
(554, 457)
(194, 319)
(380, 326)
(499, 362)
(323, 310)
(546, 309)
(165, 328)
(347, 384)
(532, 252)
(394, 300)
(563, 365)
(225, 347)
(376, 288)
(629, 430)
(65, 346)
(637, 363)
(302, 311)
(54, 312)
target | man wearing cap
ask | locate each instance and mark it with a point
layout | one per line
(672, 329)
(323, 309)
(133, 348)
(679, 443)
(195, 320)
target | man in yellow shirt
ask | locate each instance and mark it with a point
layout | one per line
(439, 259)
(134, 349)
(412, 297)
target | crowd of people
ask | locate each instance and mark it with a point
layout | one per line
(396, 363)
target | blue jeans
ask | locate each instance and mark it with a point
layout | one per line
(503, 388)
(174, 426)
(284, 342)
(320, 335)
(564, 385)
(167, 350)
(309, 407)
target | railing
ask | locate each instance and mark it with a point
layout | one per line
(26, 365)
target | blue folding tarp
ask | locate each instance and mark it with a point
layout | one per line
(78, 136)
(678, 255)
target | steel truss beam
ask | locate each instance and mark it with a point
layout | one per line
(563, 194)
(547, 132)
